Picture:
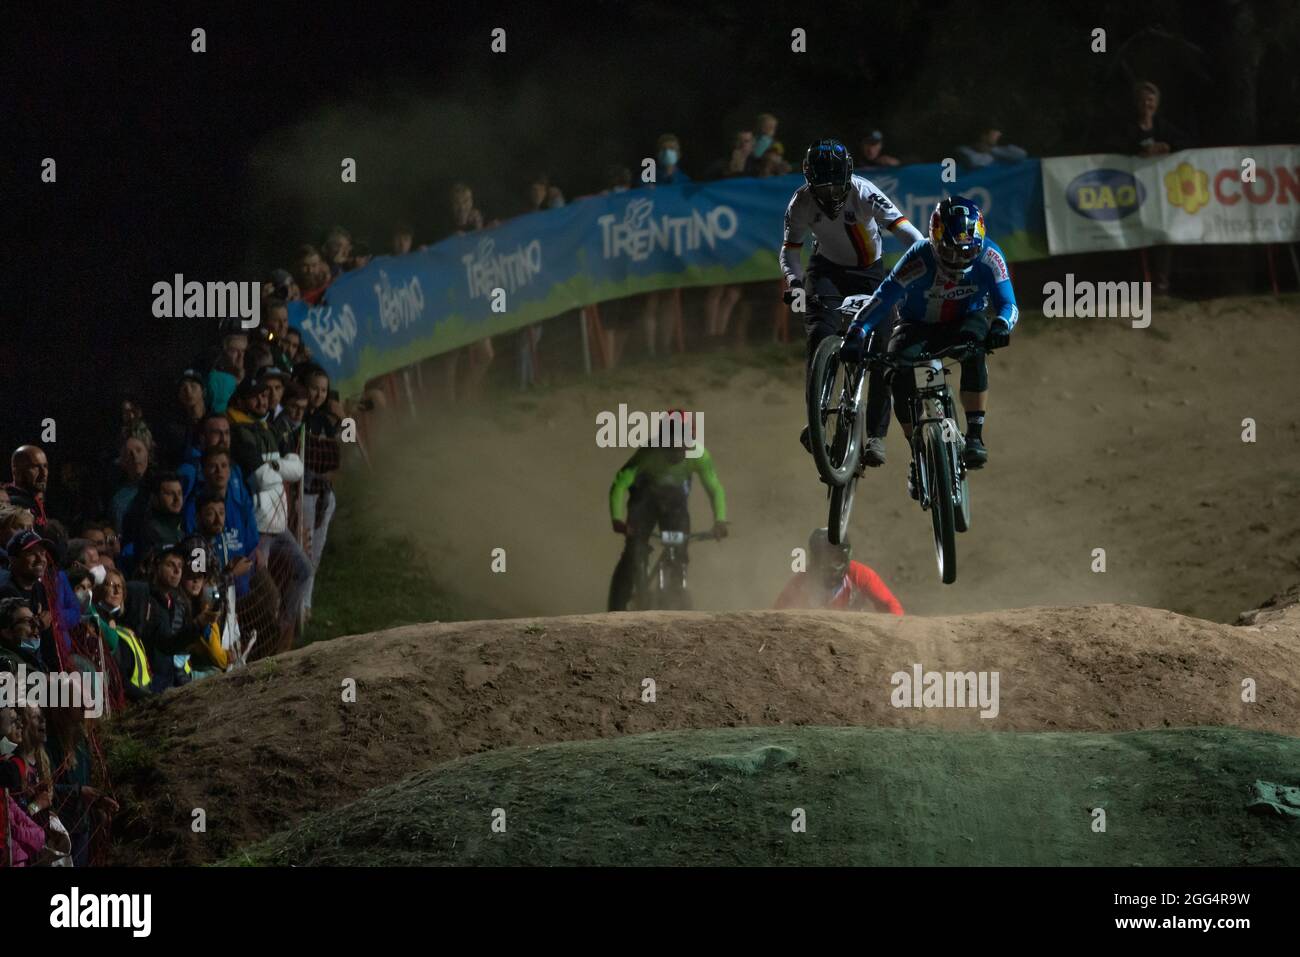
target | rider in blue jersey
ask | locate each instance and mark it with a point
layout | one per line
(952, 288)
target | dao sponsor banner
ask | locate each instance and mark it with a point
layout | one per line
(398, 310)
(1109, 201)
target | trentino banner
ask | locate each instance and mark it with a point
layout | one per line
(398, 310)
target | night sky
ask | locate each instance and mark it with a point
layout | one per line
(217, 165)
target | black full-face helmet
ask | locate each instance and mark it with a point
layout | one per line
(828, 168)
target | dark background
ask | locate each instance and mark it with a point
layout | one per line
(217, 165)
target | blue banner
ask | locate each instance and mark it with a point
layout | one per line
(398, 310)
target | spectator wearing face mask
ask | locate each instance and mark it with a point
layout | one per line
(83, 553)
(30, 472)
(668, 154)
(20, 640)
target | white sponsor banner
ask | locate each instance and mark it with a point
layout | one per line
(1108, 201)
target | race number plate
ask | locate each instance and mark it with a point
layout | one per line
(673, 538)
(928, 377)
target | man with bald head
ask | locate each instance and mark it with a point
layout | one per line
(31, 474)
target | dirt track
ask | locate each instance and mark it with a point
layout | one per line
(260, 749)
(1102, 436)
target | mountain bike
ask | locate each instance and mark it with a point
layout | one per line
(835, 389)
(661, 584)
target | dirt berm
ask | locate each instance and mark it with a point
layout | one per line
(258, 750)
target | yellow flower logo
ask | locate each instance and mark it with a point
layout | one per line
(1187, 187)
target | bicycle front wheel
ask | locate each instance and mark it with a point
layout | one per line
(832, 428)
(939, 483)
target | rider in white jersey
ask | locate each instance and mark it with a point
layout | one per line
(845, 214)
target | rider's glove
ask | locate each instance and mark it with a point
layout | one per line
(788, 296)
(999, 336)
(719, 529)
(855, 344)
(620, 527)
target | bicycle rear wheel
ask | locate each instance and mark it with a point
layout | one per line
(833, 431)
(939, 484)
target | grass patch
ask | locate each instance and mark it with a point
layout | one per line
(867, 797)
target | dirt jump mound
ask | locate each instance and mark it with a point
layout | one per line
(257, 750)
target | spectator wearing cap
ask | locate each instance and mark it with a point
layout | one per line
(987, 148)
(873, 151)
(227, 371)
(180, 430)
(275, 378)
(256, 451)
(281, 285)
(30, 476)
(31, 560)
